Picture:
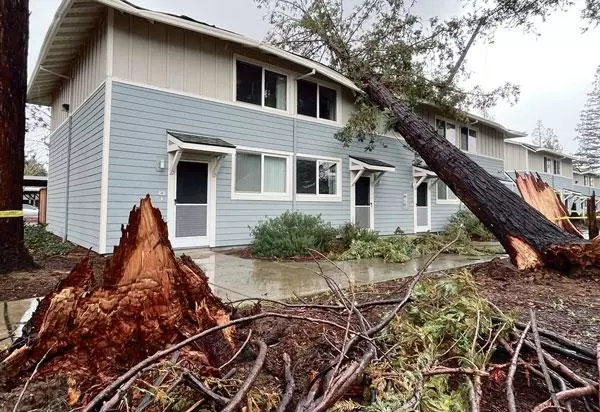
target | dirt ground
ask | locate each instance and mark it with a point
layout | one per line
(568, 305)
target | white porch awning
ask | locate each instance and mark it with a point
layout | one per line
(183, 142)
(362, 165)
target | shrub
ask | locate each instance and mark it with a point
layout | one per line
(471, 226)
(42, 243)
(350, 232)
(393, 249)
(291, 234)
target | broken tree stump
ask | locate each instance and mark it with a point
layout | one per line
(148, 299)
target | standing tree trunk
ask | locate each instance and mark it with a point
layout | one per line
(591, 215)
(530, 239)
(14, 26)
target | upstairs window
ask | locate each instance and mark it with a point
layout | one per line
(588, 180)
(259, 86)
(315, 100)
(547, 165)
(444, 194)
(556, 166)
(468, 139)
(447, 130)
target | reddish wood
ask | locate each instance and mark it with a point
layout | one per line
(147, 300)
(14, 26)
(543, 198)
(591, 215)
(529, 238)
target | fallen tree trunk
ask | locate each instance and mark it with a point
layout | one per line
(529, 238)
(147, 300)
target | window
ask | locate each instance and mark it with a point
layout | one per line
(444, 194)
(447, 130)
(547, 164)
(318, 178)
(256, 85)
(468, 139)
(556, 167)
(315, 100)
(260, 173)
(588, 180)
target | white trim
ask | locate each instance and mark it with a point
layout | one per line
(360, 165)
(288, 156)
(83, 103)
(337, 197)
(103, 233)
(353, 179)
(174, 144)
(418, 229)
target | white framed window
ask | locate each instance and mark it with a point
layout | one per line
(261, 175)
(318, 178)
(314, 99)
(260, 86)
(468, 139)
(444, 194)
(556, 166)
(447, 129)
(588, 180)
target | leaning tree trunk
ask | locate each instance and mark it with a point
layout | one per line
(14, 25)
(147, 299)
(529, 238)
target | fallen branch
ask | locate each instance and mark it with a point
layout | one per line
(258, 364)
(541, 360)
(510, 395)
(94, 403)
(566, 395)
(114, 401)
(289, 384)
(196, 383)
(550, 347)
(590, 353)
(237, 353)
(598, 366)
(30, 378)
(474, 383)
(442, 370)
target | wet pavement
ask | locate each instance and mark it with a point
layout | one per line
(13, 316)
(233, 278)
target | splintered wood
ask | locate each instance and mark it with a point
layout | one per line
(543, 198)
(147, 299)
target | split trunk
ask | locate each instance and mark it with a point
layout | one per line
(146, 300)
(529, 238)
(14, 25)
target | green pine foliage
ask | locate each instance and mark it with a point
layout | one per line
(291, 234)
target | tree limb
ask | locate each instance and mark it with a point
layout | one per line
(289, 384)
(510, 395)
(258, 364)
(566, 395)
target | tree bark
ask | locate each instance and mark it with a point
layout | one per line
(14, 25)
(529, 238)
(148, 299)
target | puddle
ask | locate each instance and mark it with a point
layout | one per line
(13, 316)
(233, 278)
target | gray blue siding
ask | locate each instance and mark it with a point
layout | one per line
(140, 118)
(87, 125)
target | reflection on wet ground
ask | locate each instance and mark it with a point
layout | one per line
(233, 278)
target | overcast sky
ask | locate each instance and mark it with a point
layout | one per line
(555, 69)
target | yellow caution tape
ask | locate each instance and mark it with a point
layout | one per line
(11, 213)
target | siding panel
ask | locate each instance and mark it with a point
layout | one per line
(87, 127)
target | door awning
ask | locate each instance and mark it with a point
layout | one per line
(370, 165)
(195, 143)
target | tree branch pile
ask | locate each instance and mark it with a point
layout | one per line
(147, 300)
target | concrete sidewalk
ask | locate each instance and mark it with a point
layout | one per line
(233, 278)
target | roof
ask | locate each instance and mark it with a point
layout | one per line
(75, 20)
(371, 162)
(203, 140)
(539, 149)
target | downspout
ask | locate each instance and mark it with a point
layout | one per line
(68, 177)
(294, 171)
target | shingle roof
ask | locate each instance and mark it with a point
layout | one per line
(205, 140)
(371, 161)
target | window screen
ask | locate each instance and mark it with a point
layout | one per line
(327, 103)
(307, 98)
(306, 176)
(192, 183)
(247, 172)
(248, 83)
(275, 90)
(327, 178)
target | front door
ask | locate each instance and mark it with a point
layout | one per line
(362, 202)
(191, 205)
(422, 208)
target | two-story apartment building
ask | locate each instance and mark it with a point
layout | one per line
(221, 130)
(555, 168)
